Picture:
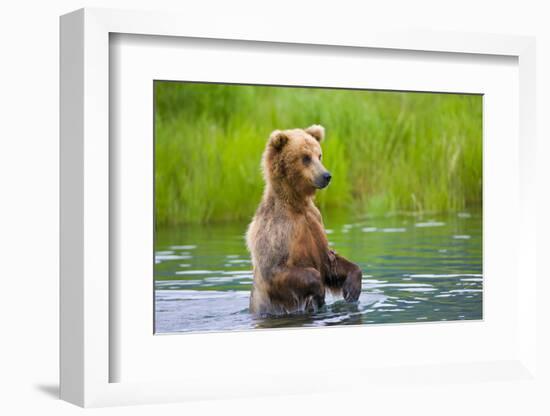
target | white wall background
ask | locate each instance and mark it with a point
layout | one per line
(29, 114)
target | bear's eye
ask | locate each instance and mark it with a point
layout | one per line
(306, 159)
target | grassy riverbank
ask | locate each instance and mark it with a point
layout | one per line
(387, 151)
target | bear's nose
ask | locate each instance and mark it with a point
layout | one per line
(327, 176)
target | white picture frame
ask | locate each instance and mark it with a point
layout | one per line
(87, 304)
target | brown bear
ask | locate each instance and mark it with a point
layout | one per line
(293, 264)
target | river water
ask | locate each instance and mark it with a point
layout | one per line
(415, 269)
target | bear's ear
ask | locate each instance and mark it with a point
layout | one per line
(317, 131)
(278, 139)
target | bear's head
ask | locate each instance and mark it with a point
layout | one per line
(292, 161)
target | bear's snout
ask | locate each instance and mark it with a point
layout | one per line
(323, 180)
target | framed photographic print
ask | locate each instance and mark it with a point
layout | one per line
(398, 185)
(270, 191)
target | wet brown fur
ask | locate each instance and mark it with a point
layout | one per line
(293, 265)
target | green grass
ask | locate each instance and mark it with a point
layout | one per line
(387, 151)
